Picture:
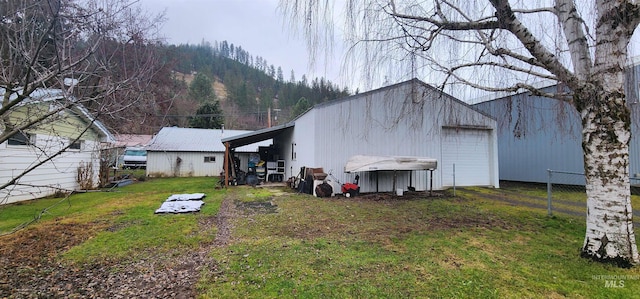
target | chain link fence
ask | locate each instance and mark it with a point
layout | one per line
(568, 188)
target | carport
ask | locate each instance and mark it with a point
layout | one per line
(233, 142)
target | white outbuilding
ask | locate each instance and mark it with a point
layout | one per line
(409, 119)
(186, 152)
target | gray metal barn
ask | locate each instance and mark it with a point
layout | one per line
(405, 119)
(537, 133)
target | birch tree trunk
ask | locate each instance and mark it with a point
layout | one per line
(606, 133)
(609, 235)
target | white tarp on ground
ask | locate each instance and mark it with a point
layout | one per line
(182, 197)
(182, 203)
(376, 163)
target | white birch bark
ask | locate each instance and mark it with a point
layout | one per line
(606, 133)
(609, 235)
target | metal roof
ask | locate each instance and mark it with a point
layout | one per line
(124, 140)
(176, 139)
(249, 138)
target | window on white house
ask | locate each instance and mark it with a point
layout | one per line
(77, 145)
(21, 138)
(209, 159)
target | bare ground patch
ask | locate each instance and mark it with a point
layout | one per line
(30, 268)
(224, 222)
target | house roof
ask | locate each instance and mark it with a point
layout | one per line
(176, 139)
(123, 140)
(43, 95)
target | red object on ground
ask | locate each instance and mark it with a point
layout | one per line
(349, 187)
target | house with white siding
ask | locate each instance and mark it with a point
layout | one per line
(47, 158)
(187, 152)
(411, 118)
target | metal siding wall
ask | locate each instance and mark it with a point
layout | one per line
(634, 144)
(398, 121)
(159, 164)
(633, 101)
(535, 134)
(495, 167)
(163, 164)
(193, 165)
(304, 137)
(552, 142)
(366, 125)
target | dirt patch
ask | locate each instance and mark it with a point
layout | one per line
(389, 196)
(29, 267)
(31, 246)
(257, 207)
(224, 222)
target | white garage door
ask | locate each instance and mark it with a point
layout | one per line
(469, 150)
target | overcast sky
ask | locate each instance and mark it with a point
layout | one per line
(255, 25)
(258, 27)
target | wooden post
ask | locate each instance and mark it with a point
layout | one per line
(226, 164)
(430, 182)
(395, 187)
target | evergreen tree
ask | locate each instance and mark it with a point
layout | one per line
(208, 116)
(280, 76)
(272, 71)
(303, 81)
(201, 90)
(224, 49)
(301, 106)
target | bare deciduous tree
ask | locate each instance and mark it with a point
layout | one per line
(76, 55)
(501, 45)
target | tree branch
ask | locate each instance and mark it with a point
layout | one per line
(572, 25)
(446, 25)
(503, 66)
(550, 62)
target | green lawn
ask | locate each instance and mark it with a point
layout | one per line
(291, 245)
(444, 247)
(122, 220)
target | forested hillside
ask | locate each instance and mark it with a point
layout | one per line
(208, 85)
